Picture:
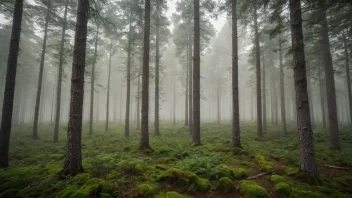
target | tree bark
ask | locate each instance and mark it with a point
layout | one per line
(322, 97)
(196, 76)
(73, 158)
(92, 89)
(305, 134)
(264, 97)
(128, 79)
(190, 78)
(310, 98)
(138, 99)
(157, 39)
(174, 104)
(40, 78)
(186, 85)
(144, 144)
(330, 83)
(108, 94)
(218, 102)
(259, 95)
(236, 141)
(59, 79)
(282, 91)
(348, 76)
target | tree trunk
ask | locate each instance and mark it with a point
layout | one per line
(322, 97)
(174, 104)
(108, 94)
(40, 78)
(73, 157)
(92, 89)
(218, 103)
(236, 141)
(348, 77)
(305, 134)
(52, 108)
(144, 144)
(156, 114)
(310, 98)
(282, 91)
(59, 79)
(259, 95)
(264, 97)
(196, 76)
(128, 79)
(186, 85)
(138, 100)
(190, 78)
(330, 84)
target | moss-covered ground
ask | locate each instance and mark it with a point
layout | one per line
(115, 168)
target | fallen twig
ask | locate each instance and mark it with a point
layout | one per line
(260, 174)
(336, 167)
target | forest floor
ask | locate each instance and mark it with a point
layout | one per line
(175, 169)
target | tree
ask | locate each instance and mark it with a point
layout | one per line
(282, 90)
(6, 119)
(59, 78)
(305, 134)
(196, 76)
(236, 141)
(73, 158)
(144, 143)
(41, 68)
(157, 58)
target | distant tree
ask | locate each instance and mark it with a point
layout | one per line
(7, 109)
(41, 68)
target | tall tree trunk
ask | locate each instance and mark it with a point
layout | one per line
(108, 94)
(157, 38)
(190, 78)
(276, 109)
(144, 144)
(174, 104)
(305, 134)
(40, 78)
(330, 83)
(236, 141)
(348, 76)
(52, 108)
(310, 98)
(73, 157)
(218, 102)
(196, 76)
(322, 97)
(252, 104)
(264, 97)
(186, 85)
(92, 89)
(128, 79)
(138, 100)
(121, 102)
(59, 78)
(282, 91)
(259, 95)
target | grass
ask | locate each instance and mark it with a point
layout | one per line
(115, 168)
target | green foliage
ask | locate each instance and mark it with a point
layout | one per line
(263, 164)
(171, 195)
(239, 173)
(277, 179)
(145, 190)
(185, 179)
(225, 185)
(296, 193)
(250, 189)
(283, 188)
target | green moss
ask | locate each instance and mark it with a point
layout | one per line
(297, 193)
(171, 194)
(263, 164)
(277, 179)
(203, 185)
(250, 189)
(222, 171)
(81, 178)
(225, 185)
(185, 179)
(163, 160)
(145, 189)
(67, 192)
(92, 187)
(283, 188)
(289, 170)
(239, 173)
